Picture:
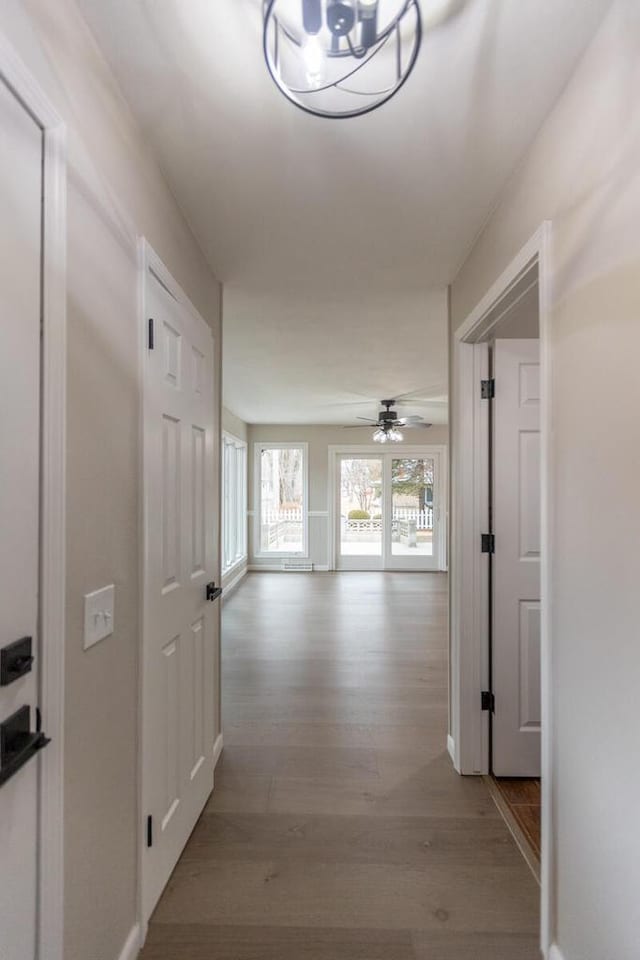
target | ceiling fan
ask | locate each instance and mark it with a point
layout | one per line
(388, 423)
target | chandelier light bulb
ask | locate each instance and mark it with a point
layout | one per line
(380, 436)
(314, 61)
(368, 11)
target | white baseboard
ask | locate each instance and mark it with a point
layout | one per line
(217, 749)
(451, 748)
(555, 953)
(277, 568)
(228, 588)
(132, 946)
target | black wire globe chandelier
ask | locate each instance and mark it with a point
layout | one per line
(341, 58)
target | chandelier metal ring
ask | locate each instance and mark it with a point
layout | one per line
(311, 69)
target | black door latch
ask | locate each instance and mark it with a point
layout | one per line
(18, 743)
(16, 660)
(213, 592)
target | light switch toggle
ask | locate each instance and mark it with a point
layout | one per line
(98, 615)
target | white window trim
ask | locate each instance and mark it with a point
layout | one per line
(229, 439)
(258, 447)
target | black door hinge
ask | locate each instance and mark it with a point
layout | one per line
(488, 543)
(488, 389)
(488, 701)
(151, 334)
(149, 831)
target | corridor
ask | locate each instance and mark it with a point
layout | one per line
(338, 829)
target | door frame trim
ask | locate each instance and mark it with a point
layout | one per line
(468, 603)
(19, 79)
(411, 450)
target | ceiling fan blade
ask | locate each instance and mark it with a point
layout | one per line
(435, 402)
(367, 419)
(414, 426)
(424, 394)
(407, 421)
(359, 426)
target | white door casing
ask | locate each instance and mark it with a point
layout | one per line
(516, 607)
(468, 744)
(21, 153)
(180, 625)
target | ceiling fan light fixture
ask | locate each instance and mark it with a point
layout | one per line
(362, 52)
(395, 435)
(380, 436)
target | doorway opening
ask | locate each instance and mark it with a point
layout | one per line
(513, 401)
(500, 635)
(388, 508)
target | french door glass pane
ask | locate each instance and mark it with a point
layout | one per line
(412, 485)
(361, 507)
(282, 500)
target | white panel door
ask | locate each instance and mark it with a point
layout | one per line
(180, 624)
(20, 305)
(516, 562)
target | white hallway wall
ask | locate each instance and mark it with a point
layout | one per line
(319, 439)
(110, 171)
(583, 174)
(234, 425)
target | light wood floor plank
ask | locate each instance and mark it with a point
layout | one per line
(338, 829)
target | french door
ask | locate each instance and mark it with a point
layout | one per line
(388, 511)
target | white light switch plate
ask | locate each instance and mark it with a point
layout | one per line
(98, 615)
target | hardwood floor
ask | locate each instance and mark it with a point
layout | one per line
(524, 800)
(338, 829)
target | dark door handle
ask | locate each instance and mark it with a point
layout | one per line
(18, 743)
(213, 592)
(15, 660)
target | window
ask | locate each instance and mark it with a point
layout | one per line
(234, 501)
(281, 488)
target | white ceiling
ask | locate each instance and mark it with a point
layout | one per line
(332, 234)
(297, 359)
